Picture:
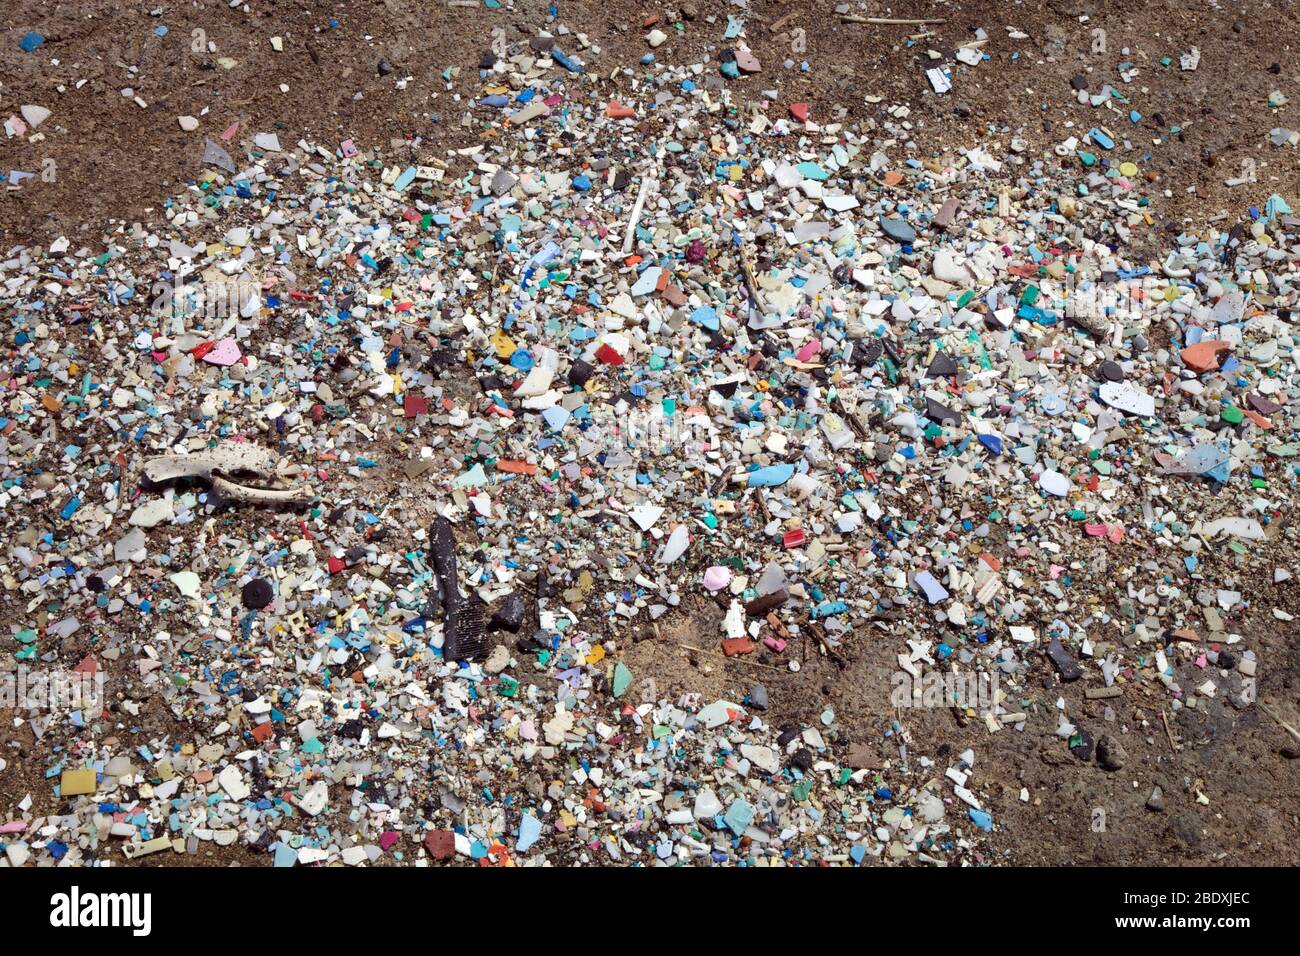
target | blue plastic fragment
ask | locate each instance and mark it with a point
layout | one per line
(706, 316)
(530, 829)
(566, 61)
(772, 476)
(404, 180)
(829, 608)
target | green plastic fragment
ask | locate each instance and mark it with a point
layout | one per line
(622, 679)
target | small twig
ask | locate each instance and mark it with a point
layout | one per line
(1282, 723)
(738, 660)
(1164, 718)
(776, 27)
(888, 21)
(817, 633)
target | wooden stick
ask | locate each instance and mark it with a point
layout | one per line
(820, 637)
(1285, 726)
(738, 659)
(776, 27)
(1168, 733)
(889, 21)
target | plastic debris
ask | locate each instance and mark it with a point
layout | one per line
(573, 461)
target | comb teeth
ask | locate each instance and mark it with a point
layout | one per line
(463, 633)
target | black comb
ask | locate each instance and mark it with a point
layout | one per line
(463, 630)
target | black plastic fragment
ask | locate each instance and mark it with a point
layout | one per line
(510, 615)
(463, 631)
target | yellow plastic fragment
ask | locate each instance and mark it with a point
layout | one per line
(504, 345)
(75, 782)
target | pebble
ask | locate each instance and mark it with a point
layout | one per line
(1111, 753)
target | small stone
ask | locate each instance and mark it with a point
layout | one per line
(498, 660)
(1110, 753)
(1066, 665)
(510, 615)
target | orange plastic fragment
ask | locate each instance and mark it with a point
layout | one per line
(1257, 418)
(1204, 356)
(517, 467)
(736, 646)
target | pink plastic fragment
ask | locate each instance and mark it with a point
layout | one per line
(225, 352)
(806, 353)
(717, 577)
